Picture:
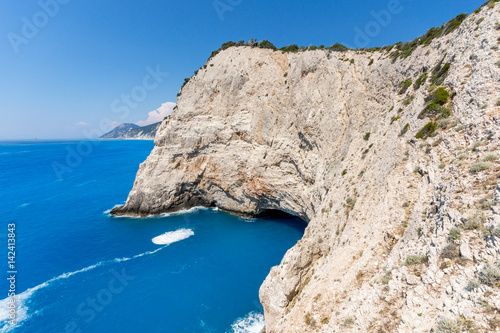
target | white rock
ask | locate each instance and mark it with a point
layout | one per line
(465, 251)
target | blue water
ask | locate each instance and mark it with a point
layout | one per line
(80, 270)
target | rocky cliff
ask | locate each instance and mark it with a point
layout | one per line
(391, 156)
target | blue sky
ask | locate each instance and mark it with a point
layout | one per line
(70, 73)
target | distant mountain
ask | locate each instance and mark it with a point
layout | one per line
(132, 131)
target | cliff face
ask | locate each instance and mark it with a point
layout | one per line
(330, 137)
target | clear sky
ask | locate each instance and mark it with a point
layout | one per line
(67, 65)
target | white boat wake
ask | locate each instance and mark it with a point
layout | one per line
(23, 298)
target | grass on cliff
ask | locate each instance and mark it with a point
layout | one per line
(420, 81)
(439, 73)
(413, 259)
(435, 104)
(427, 130)
(455, 234)
(478, 167)
(490, 275)
(461, 324)
(436, 110)
(404, 50)
(404, 86)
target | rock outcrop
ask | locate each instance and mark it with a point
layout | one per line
(331, 137)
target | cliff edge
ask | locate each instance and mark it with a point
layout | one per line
(391, 156)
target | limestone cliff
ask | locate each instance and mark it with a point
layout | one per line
(399, 228)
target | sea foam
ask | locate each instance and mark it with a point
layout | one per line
(179, 212)
(251, 323)
(172, 236)
(22, 299)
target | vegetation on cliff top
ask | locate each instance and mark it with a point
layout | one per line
(401, 49)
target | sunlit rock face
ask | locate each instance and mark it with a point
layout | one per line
(331, 137)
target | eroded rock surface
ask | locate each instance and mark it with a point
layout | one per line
(261, 130)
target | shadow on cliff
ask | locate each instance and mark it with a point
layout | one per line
(282, 217)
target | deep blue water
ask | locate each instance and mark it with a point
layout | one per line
(80, 270)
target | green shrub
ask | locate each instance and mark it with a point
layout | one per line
(442, 166)
(453, 24)
(473, 223)
(393, 119)
(473, 285)
(413, 259)
(371, 62)
(440, 74)
(488, 232)
(477, 144)
(223, 47)
(404, 86)
(406, 49)
(433, 108)
(386, 278)
(348, 322)
(309, 320)
(344, 172)
(490, 276)
(404, 130)
(437, 142)
(441, 96)
(265, 44)
(338, 47)
(496, 231)
(455, 234)
(186, 81)
(445, 113)
(486, 204)
(443, 123)
(294, 48)
(420, 81)
(436, 100)
(350, 202)
(490, 158)
(450, 251)
(427, 130)
(478, 167)
(447, 325)
(367, 136)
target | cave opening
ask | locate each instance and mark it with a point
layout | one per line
(282, 216)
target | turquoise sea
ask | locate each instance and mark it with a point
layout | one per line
(81, 270)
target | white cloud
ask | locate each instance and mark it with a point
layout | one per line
(157, 115)
(82, 124)
(113, 125)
